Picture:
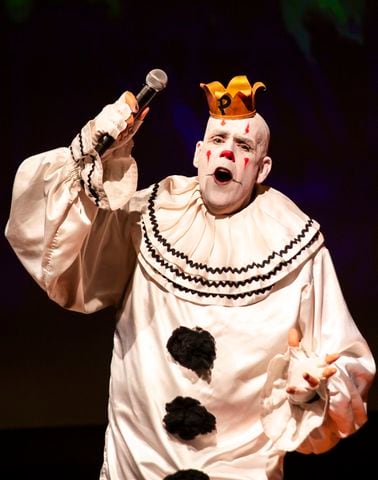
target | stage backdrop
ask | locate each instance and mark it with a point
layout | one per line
(63, 61)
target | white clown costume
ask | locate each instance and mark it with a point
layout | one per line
(223, 289)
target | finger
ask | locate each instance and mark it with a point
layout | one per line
(123, 134)
(130, 121)
(329, 371)
(312, 381)
(131, 100)
(332, 357)
(293, 337)
(291, 390)
(143, 113)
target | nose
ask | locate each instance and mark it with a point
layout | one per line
(229, 154)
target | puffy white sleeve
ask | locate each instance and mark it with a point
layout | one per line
(66, 224)
(340, 405)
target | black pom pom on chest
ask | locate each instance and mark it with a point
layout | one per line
(192, 348)
(187, 418)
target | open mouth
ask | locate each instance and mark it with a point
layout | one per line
(222, 175)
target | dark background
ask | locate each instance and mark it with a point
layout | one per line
(63, 61)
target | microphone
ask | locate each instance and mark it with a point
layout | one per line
(156, 80)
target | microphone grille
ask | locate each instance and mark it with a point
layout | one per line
(157, 79)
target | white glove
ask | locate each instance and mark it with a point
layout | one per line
(301, 368)
(307, 372)
(112, 120)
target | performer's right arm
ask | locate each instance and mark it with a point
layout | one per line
(67, 222)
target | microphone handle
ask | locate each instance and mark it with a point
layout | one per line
(104, 143)
(143, 98)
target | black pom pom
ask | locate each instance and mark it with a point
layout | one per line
(187, 418)
(194, 349)
(188, 475)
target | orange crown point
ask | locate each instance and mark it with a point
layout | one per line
(235, 101)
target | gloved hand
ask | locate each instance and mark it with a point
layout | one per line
(112, 120)
(306, 371)
(115, 119)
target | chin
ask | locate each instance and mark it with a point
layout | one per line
(220, 209)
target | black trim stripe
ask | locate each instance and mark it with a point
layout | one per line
(219, 283)
(89, 182)
(232, 296)
(72, 154)
(81, 144)
(218, 270)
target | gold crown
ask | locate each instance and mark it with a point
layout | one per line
(235, 101)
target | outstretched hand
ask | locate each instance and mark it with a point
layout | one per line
(313, 380)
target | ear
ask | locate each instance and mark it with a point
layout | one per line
(197, 153)
(265, 167)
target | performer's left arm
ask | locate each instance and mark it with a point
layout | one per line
(316, 392)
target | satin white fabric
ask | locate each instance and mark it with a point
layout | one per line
(161, 259)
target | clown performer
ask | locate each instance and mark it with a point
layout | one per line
(233, 343)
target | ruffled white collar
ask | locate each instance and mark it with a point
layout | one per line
(229, 260)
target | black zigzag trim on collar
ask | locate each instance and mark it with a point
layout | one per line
(231, 296)
(218, 283)
(202, 266)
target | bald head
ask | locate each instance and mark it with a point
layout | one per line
(231, 159)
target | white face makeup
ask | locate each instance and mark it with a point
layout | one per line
(231, 159)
